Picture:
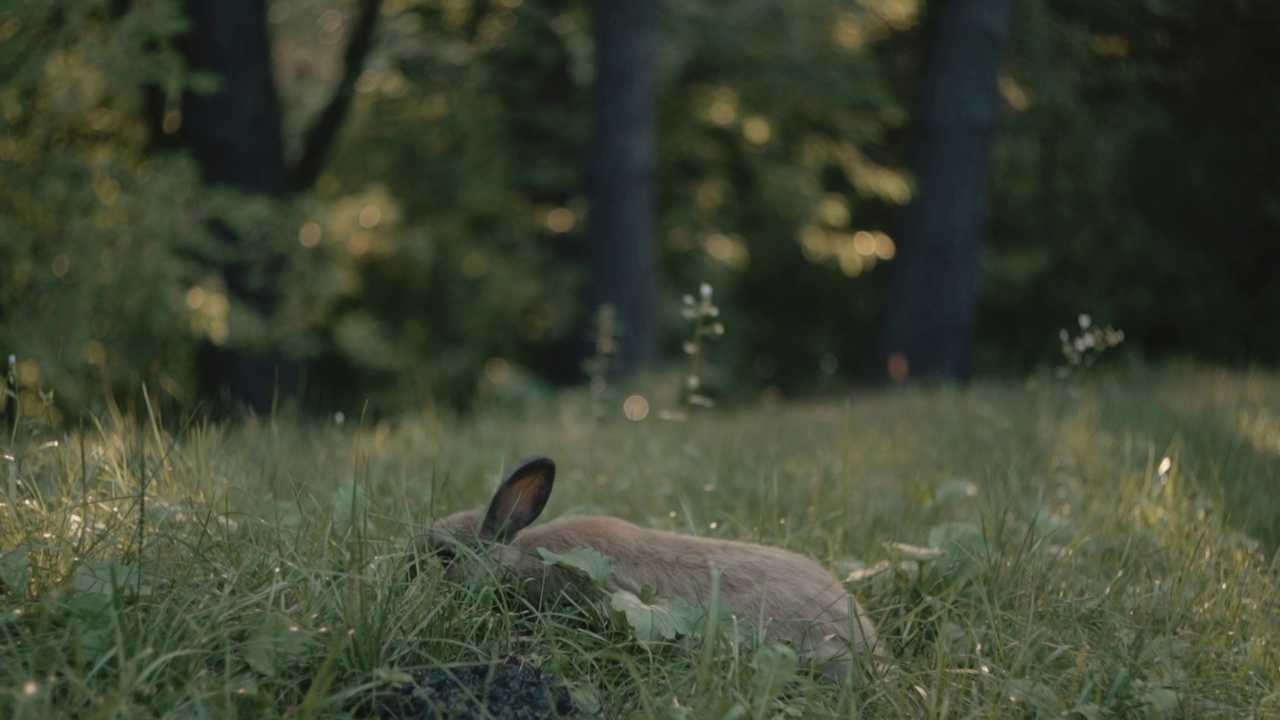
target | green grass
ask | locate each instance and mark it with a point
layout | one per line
(261, 573)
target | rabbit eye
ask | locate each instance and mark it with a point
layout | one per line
(446, 553)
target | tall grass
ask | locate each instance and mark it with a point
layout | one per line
(1041, 549)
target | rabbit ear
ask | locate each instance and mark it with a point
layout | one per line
(519, 499)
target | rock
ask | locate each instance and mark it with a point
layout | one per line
(511, 689)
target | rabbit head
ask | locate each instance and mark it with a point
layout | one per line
(518, 501)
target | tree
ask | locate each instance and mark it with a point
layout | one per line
(621, 173)
(932, 299)
(235, 135)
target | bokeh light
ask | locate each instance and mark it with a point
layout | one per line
(560, 220)
(309, 235)
(898, 367)
(636, 408)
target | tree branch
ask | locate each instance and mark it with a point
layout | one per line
(319, 139)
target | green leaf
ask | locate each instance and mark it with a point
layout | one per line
(585, 699)
(274, 643)
(654, 621)
(1085, 711)
(963, 544)
(1164, 652)
(92, 619)
(1056, 529)
(1160, 703)
(954, 491)
(775, 666)
(15, 572)
(1035, 696)
(288, 514)
(109, 578)
(592, 563)
(394, 676)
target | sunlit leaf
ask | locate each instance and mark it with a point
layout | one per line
(592, 563)
(656, 620)
(108, 578)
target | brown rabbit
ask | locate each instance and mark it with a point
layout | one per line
(802, 604)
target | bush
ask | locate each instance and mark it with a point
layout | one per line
(95, 267)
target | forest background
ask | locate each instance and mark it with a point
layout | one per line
(415, 227)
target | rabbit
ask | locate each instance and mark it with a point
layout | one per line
(802, 604)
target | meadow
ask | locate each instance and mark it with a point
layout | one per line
(1088, 548)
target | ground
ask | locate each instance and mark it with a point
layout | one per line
(1093, 547)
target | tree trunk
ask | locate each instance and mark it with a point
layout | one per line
(235, 132)
(622, 174)
(234, 135)
(932, 300)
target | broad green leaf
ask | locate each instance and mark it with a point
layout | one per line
(105, 577)
(585, 699)
(1036, 697)
(775, 666)
(597, 566)
(1056, 529)
(89, 607)
(955, 534)
(289, 515)
(392, 675)
(93, 620)
(274, 643)
(1164, 651)
(1160, 703)
(963, 544)
(1085, 711)
(953, 491)
(15, 573)
(655, 621)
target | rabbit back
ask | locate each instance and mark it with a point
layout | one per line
(803, 604)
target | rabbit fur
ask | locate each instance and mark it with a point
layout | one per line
(802, 604)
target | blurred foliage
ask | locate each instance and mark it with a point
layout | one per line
(778, 175)
(444, 212)
(1138, 179)
(94, 261)
(475, 118)
(443, 246)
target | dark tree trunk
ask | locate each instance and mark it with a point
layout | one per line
(234, 135)
(622, 174)
(235, 132)
(932, 300)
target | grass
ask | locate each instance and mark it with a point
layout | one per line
(259, 571)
